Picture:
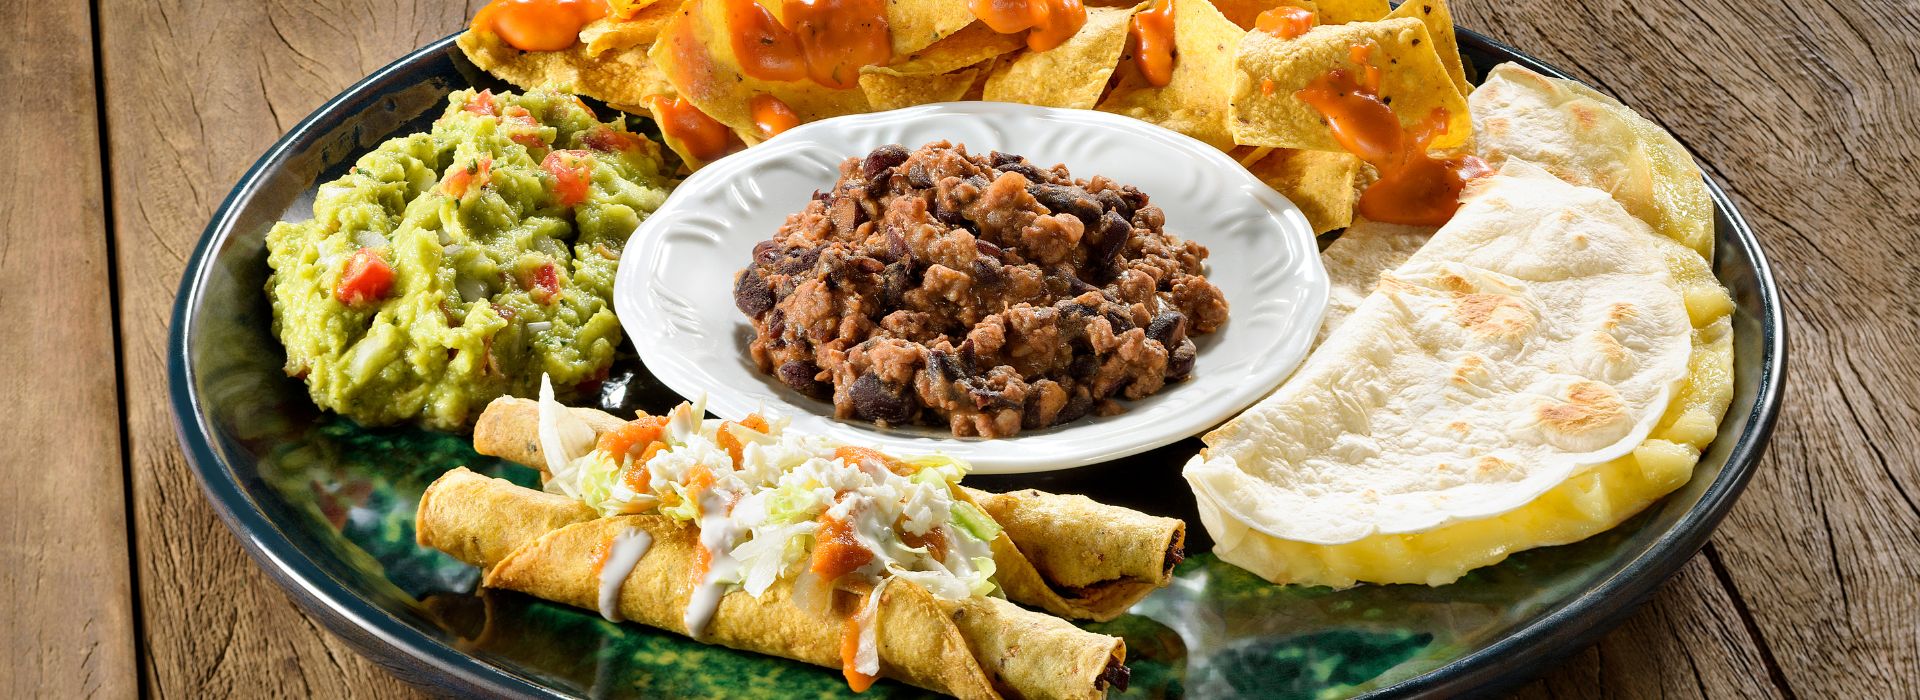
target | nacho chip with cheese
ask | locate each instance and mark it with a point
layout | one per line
(695, 54)
(1070, 75)
(1194, 100)
(1244, 12)
(1265, 111)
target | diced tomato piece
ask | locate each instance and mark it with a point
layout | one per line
(461, 181)
(482, 104)
(635, 434)
(835, 550)
(546, 283)
(572, 175)
(367, 278)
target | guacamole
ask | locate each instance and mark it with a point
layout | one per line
(451, 267)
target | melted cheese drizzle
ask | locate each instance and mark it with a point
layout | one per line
(622, 556)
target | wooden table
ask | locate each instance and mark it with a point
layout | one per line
(124, 122)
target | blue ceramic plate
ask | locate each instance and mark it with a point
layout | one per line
(326, 506)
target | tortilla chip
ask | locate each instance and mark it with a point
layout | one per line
(619, 77)
(1070, 75)
(1244, 12)
(694, 54)
(917, 24)
(1324, 184)
(1439, 21)
(962, 49)
(639, 29)
(1269, 70)
(1344, 11)
(1194, 99)
(887, 88)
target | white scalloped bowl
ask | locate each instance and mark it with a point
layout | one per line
(674, 291)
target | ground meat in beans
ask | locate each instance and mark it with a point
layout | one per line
(985, 294)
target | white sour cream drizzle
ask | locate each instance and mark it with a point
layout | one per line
(622, 555)
(718, 535)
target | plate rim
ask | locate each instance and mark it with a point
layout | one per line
(400, 648)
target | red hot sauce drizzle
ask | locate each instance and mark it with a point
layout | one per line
(1414, 188)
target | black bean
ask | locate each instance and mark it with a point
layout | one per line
(751, 294)
(918, 176)
(873, 400)
(1118, 321)
(988, 249)
(766, 252)
(1113, 202)
(895, 281)
(798, 260)
(883, 158)
(986, 272)
(799, 374)
(1114, 232)
(1077, 407)
(1170, 327)
(897, 247)
(1082, 366)
(1180, 361)
(1026, 170)
(1068, 199)
(998, 159)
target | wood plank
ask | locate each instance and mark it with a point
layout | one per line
(196, 91)
(1806, 112)
(68, 616)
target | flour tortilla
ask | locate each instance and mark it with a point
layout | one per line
(1590, 139)
(1537, 334)
(1356, 260)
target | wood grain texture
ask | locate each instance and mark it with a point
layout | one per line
(1806, 111)
(68, 610)
(195, 92)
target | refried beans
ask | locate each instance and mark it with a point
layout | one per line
(984, 292)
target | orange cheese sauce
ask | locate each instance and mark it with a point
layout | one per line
(1152, 34)
(826, 41)
(1285, 21)
(704, 138)
(538, 25)
(1048, 23)
(1414, 188)
(771, 116)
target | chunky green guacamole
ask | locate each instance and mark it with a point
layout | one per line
(454, 266)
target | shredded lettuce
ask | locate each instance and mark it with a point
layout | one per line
(974, 521)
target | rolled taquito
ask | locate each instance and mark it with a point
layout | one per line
(552, 547)
(1066, 554)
